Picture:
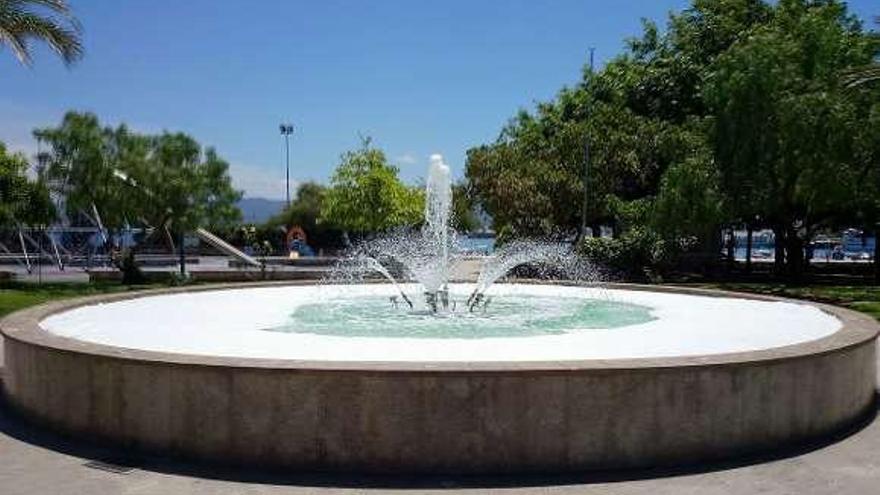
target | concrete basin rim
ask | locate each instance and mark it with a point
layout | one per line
(24, 326)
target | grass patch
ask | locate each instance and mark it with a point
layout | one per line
(871, 308)
(16, 295)
(864, 298)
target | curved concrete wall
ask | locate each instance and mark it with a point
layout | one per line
(442, 417)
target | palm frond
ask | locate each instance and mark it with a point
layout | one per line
(58, 7)
(65, 42)
(21, 20)
(861, 76)
(17, 44)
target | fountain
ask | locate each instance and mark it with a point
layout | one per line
(429, 256)
(551, 376)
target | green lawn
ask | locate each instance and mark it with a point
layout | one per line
(862, 298)
(15, 296)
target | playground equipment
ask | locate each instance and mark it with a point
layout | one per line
(226, 248)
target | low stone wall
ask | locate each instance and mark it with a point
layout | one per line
(442, 417)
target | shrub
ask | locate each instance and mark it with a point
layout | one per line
(638, 254)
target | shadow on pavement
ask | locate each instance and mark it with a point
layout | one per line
(15, 426)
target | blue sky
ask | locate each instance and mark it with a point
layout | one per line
(418, 77)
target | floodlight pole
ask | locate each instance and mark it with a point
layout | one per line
(286, 131)
(587, 156)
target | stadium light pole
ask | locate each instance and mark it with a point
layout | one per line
(286, 131)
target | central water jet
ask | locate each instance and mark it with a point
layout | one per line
(438, 206)
(429, 256)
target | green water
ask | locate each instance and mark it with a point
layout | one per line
(506, 316)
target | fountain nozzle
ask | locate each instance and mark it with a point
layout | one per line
(474, 300)
(437, 299)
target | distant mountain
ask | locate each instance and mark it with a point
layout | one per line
(258, 210)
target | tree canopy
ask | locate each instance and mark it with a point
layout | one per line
(738, 112)
(785, 133)
(22, 200)
(165, 180)
(366, 195)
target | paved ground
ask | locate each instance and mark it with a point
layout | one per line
(33, 461)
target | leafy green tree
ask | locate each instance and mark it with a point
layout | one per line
(640, 115)
(80, 165)
(512, 189)
(662, 73)
(784, 129)
(49, 21)
(863, 209)
(531, 179)
(22, 201)
(464, 218)
(305, 212)
(162, 180)
(734, 115)
(305, 209)
(181, 184)
(89, 165)
(689, 206)
(168, 181)
(366, 195)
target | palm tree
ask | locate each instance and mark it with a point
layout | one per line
(863, 75)
(50, 21)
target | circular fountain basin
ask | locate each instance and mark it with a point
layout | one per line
(545, 378)
(523, 322)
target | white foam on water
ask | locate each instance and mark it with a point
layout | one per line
(231, 323)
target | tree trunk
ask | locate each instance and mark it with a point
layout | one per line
(807, 250)
(181, 248)
(749, 232)
(596, 230)
(876, 256)
(716, 241)
(779, 250)
(794, 254)
(730, 246)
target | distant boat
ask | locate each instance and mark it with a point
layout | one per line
(863, 256)
(761, 254)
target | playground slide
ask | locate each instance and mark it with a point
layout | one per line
(226, 248)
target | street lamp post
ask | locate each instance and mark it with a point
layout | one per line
(286, 131)
(587, 158)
